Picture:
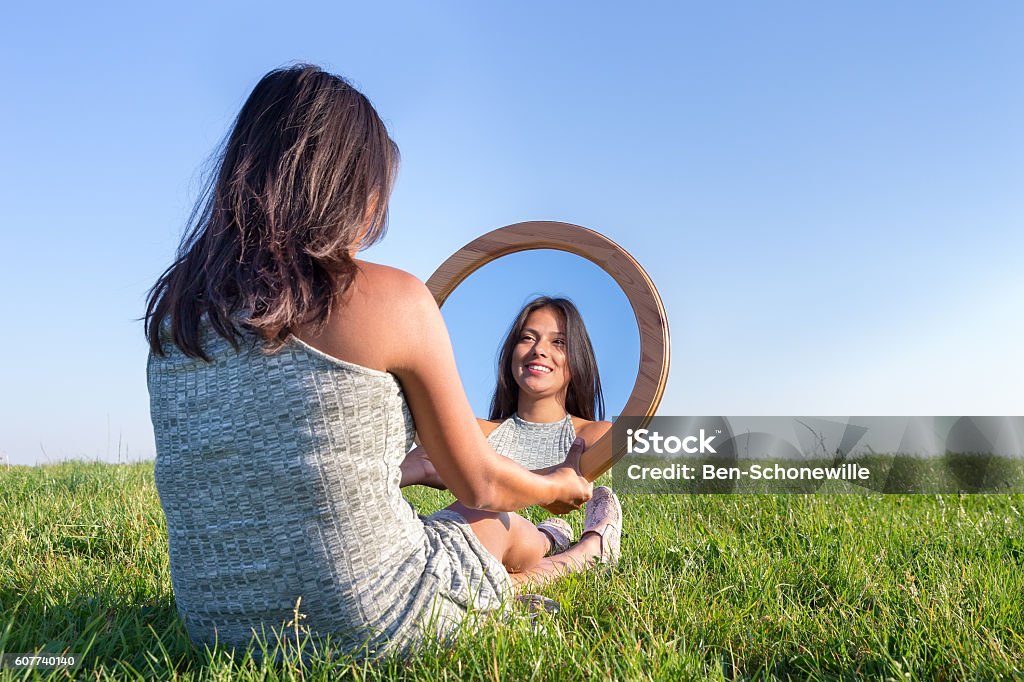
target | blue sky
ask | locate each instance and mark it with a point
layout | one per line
(828, 196)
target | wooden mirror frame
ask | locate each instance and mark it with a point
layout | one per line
(627, 273)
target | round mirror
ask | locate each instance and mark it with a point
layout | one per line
(492, 300)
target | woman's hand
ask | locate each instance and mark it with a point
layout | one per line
(575, 488)
(417, 469)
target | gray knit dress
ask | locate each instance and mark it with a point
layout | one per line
(279, 477)
(532, 444)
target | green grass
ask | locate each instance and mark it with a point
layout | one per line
(715, 586)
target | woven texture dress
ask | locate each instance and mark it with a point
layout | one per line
(533, 445)
(279, 477)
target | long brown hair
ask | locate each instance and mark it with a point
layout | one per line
(583, 397)
(304, 176)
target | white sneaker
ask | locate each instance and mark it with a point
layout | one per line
(604, 518)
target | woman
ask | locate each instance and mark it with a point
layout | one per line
(285, 380)
(548, 392)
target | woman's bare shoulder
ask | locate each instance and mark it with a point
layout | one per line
(377, 319)
(392, 295)
(377, 275)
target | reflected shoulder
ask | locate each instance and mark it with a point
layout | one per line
(592, 432)
(487, 426)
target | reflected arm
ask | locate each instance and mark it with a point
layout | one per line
(417, 469)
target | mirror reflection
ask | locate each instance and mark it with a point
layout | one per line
(481, 310)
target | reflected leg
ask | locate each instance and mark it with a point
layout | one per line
(576, 559)
(521, 548)
(508, 536)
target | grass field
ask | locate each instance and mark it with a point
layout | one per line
(713, 586)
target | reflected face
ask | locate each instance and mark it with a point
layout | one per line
(540, 364)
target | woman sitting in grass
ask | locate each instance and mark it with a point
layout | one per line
(286, 381)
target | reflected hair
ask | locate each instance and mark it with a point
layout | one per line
(303, 177)
(583, 397)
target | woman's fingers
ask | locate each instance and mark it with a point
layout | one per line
(574, 490)
(588, 490)
(572, 458)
